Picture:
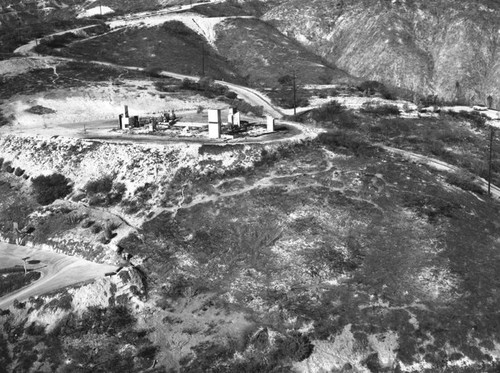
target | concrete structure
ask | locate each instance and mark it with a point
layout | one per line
(214, 123)
(124, 122)
(270, 123)
(236, 119)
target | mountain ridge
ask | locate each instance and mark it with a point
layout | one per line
(426, 49)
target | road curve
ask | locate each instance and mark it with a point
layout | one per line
(250, 95)
(58, 270)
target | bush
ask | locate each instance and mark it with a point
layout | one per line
(18, 171)
(379, 110)
(328, 112)
(147, 352)
(177, 28)
(231, 95)
(370, 87)
(465, 182)
(35, 329)
(49, 188)
(393, 127)
(7, 167)
(154, 72)
(475, 118)
(244, 107)
(342, 139)
(60, 41)
(102, 185)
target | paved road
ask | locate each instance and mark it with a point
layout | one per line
(58, 270)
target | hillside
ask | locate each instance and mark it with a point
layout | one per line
(349, 239)
(413, 44)
(325, 254)
(257, 50)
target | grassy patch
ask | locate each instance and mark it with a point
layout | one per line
(70, 74)
(152, 47)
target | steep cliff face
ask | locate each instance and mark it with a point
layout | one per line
(425, 47)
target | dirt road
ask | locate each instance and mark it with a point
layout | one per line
(58, 270)
(440, 165)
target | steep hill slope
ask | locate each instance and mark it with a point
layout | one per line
(413, 44)
(263, 54)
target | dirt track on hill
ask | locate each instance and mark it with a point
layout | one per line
(440, 165)
(58, 270)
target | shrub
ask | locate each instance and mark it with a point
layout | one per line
(7, 167)
(177, 28)
(328, 111)
(117, 193)
(147, 352)
(49, 188)
(60, 41)
(231, 95)
(370, 87)
(244, 107)
(18, 171)
(475, 118)
(379, 110)
(96, 228)
(102, 185)
(336, 139)
(465, 182)
(393, 127)
(35, 329)
(154, 72)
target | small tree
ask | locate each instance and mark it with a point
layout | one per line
(291, 93)
(49, 188)
(489, 100)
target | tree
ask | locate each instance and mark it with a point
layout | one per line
(489, 100)
(49, 188)
(291, 93)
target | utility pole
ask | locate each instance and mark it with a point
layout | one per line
(24, 262)
(100, 7)
(294, 97)
(492, 133)
(202, 60)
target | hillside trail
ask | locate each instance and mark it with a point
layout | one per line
(441, 166)
(273, 179)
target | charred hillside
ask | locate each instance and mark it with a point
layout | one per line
(424, 47)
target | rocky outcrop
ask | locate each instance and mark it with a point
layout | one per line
(448, 48)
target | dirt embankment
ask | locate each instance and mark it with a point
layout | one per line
(150, 180)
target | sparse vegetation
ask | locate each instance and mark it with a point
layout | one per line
(372, 87)
(379, 109)
(16, 280)
(104, 191)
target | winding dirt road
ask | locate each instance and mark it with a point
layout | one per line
(441, 166)
(58, 270)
